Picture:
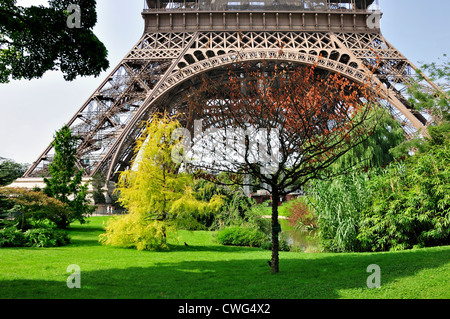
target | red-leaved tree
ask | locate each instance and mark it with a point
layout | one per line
(280, 124)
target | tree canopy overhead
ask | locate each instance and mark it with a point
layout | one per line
(37, 39)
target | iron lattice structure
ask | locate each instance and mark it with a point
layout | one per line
(184, 39)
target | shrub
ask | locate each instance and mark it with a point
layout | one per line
(338, 205)
(411, 205)
(403, 206)
(12, 237)
(36, 237)
(35, 205)
(135, 231)
(241, 236)
(300, 216)
(235, 208)
(46, 237)
(283, 244)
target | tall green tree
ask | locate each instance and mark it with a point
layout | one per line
(434, 99)
(10, 170)
(373, 152)
(65, 183)
(37, 39)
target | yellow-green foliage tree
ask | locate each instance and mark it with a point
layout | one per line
(156, 193)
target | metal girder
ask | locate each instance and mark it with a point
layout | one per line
(162, 63)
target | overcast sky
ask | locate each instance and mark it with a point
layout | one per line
(31, 111)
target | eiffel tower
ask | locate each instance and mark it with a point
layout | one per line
(183, 39)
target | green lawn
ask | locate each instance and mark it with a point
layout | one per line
(283, 209)
(208, 270)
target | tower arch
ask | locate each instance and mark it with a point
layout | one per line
(183, 39)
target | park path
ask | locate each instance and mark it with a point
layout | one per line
(270, 216)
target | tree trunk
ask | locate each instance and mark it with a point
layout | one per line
(63, 223)
(275, 230)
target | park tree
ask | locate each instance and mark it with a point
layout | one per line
(434, 99)
(35, 205)
(157, 193)
(405, 203)
(65, 181)
(281, 124)
(37, 39)
(374, 151)
(429, 91)
(10, 171)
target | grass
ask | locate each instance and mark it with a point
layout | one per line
(208, 270)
